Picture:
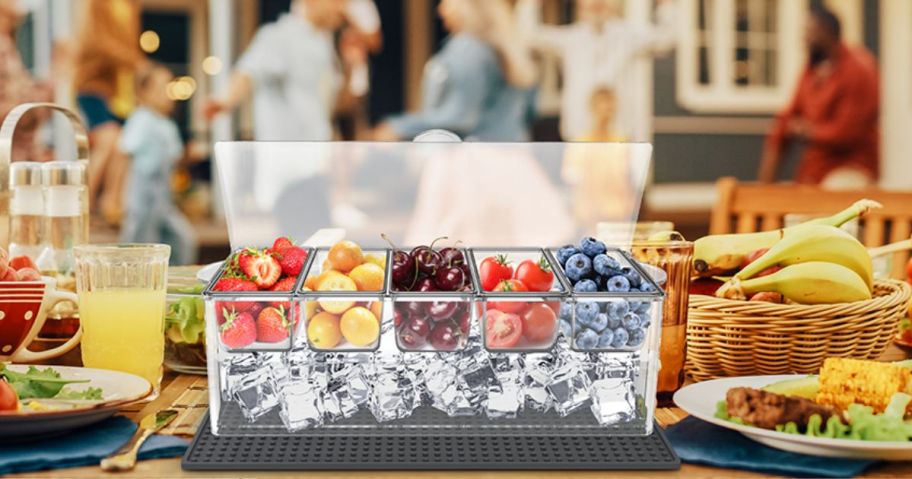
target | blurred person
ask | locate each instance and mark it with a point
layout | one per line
(107, 56)
(292, 71)
(17, 85)
(478, 85)
(600, 181)
(152, 140)
(599, 48)
(834, 113)
(294, 75)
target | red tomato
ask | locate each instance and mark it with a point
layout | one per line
(537, 276)
(9, 401)
(539, 323)
(510, 285)
(493, 270)
(502, 330)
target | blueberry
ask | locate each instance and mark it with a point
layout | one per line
(578, 266)
(565, 328)
(617, 309)
(636, 338)
(592, 247)
(614, 322)
(646, 287)
(643, 307)
(586, 311)
(631, 322)
(618, 284)
(605, 339)
(565, 252)
(585, 286)
(599, 323)
(645, 321)
(587, 339)
(606, 265)
(635, 305)
(632, 277)
(566, 311)
(620, 338)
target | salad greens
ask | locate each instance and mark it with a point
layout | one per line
(863, 423)
(45, 383)
(185, 319)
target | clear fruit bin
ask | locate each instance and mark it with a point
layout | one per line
(301, 386)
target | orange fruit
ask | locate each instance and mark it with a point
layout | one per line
(368, 277)
(359, 326)
(376, 307)
(336, 281)
(324, 331)
(376, 259)
(312, 281)
(345, 256)
(327, 265)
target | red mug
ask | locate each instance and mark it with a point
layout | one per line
(23, 310)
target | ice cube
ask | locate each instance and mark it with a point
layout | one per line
(538, 368)
(302, 405)
(613, 400)
(507, 367)
(392, 396)
(465, 405)
(338, 401)
(255, 394)
(441, 383)
(237, 366)
(505, 401)
(569, 389)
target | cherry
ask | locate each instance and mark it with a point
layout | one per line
(450, 279)
(452, 256)
(425, 285)
(440, 310)
(445, 336)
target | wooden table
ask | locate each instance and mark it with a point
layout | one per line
(177, 389)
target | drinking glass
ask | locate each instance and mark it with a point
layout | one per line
(619, 233)
(675, 257)
(121, 289)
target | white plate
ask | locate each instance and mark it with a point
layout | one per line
(206, 273)
(699, 400)
(118, 390)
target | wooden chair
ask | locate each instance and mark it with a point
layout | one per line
(748, 207)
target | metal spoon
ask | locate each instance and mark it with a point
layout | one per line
(125, 458)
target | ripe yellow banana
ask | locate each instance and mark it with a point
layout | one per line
(715, 255)
(815, 242)
(814, 282)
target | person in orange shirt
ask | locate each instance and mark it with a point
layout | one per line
(834, 113)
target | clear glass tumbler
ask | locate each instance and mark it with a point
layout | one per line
(675, 257)
(121, 291)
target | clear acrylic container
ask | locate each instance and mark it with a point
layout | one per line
(303, 387)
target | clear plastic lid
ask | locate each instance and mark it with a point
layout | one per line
(482, 194)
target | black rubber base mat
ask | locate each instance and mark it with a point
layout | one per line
(428, 451)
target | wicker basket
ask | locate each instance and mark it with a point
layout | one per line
(742, 338)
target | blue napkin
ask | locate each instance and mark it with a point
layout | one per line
(700, 442)
(84, 447)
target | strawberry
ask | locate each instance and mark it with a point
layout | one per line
(233, 284)
(20, 262)
(285, 284)
(239, 330)
(281, 243)
(292, 260)
(271, 326)
(261, 268)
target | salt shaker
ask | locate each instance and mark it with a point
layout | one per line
(27, 222)
(66, 212)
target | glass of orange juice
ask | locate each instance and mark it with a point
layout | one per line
(121, 289)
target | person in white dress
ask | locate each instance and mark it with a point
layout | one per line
(599, 49)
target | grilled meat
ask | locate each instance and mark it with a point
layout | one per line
(767, 410)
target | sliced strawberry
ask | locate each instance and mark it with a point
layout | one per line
(271, 325)
(292, 260)
(262, 269)
(281, 243)
(235, 284)
(239, 330)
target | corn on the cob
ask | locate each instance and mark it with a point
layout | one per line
(852, 381)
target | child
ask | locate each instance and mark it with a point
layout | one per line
(600, 177)
(151, 139)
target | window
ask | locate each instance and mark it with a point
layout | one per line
(744, 56)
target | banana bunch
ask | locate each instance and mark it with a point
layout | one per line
(719, 254)
(821, 264)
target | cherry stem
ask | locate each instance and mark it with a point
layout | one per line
(436, 240)
(386, 238)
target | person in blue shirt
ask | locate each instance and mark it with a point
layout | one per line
(152, 141)
(478, 86)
